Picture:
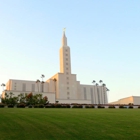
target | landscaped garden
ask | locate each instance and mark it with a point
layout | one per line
(69, 124)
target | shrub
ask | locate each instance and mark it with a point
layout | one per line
(57, 106)
(30, 106)
(2, 105)
(138, 106)
(77, 106)
(130, 106)
(10, 106)
(89, 106)
(112, 106)
(36, 106)
(21, 106)
(41, 106)
(121, 106)
(74, 106)
(68, 106)
(86, 106)
(99, 106)
(48, 106)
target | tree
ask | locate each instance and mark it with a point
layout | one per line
(93, 81)
(100, 81)
(3, 85)
(42, 76)
(38, 81)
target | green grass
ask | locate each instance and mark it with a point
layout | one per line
(69, 124)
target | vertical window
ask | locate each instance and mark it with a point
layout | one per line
(23, 87)
(33, 87)
(91, 91)
(85, 96)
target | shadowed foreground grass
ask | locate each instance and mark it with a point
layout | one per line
(69, 124)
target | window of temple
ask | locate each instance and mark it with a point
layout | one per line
(23, 87)
(85, 96)
(33, 87)
(67, 87)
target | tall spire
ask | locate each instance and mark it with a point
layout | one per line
(64, 39)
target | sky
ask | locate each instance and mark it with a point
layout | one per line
(103, 35)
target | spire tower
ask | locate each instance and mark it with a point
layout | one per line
(65, 62)
(64, 39)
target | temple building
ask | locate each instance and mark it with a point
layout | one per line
(62, 87)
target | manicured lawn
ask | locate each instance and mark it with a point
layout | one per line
(69, 124)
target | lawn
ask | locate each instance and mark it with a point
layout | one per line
(69, 124)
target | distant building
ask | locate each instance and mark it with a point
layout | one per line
(63, 86)
(132, 99)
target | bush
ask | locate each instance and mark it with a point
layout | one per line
(41, 106)
(112, 106)
(21, 106)
(68, 106)
(30, 106)
(36, 106)
(57, 106)
(121, 106)
(130, 106)
(77, 106)
(48, 106)
(89, 106)
(99, 106)
(74, 106)
(10, 106)
(2, 105)
(139, 107)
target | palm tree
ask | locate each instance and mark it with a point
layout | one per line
(3, 85)
(42, 76)
(100, 81)
(38, 81)
(93, 81)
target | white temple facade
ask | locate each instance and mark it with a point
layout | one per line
(63, 86)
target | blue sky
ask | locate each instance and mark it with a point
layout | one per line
(104, 37)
